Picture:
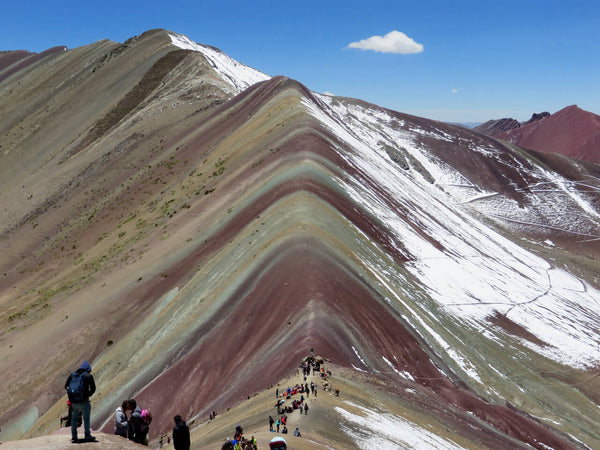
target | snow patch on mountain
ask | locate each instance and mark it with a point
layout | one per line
(377, 429)
(475, 272)
(238, 75)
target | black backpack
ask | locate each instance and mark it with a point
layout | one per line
(76, 390)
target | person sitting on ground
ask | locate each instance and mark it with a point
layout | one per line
(297, 432)
(138, 429)
(181, 434)
(66, 420)
(121, 424)
(284, 431)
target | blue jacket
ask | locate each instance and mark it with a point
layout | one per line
(88, 380)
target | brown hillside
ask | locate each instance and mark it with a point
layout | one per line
(571, 132)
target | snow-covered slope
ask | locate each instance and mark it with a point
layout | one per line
(238, 75)
(470, 269)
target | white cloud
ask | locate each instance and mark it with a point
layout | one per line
(393, 42)
(454, 91)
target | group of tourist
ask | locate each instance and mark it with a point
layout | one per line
(136, 426)
(239, 441)
(80, 387)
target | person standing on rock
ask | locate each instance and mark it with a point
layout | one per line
(80, 386)
(181, 434)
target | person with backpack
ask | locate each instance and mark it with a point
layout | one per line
(181, 434)
(80, 386)
(139, 423)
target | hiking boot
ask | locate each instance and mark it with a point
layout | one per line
(90, 438)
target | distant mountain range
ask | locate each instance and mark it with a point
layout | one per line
(196, 228)
(571, 132)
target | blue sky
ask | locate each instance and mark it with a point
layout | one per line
(479, 59)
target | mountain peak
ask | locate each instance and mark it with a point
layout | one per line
(237, 74)
(571, 108)
(571, 131)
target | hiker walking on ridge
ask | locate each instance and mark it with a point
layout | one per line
(80, 387)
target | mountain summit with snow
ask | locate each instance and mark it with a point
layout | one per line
(194, 228)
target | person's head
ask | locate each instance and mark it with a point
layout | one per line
(132, 404)
(85, 366)
(125, 405)
(177, 418)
